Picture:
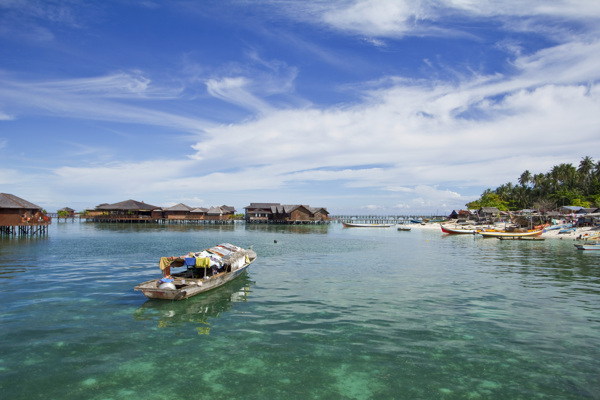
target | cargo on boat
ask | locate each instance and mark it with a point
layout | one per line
(205, 270)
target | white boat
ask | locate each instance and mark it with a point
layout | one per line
(446, 229)
(205, 270)
(354, 225)
(589, 246)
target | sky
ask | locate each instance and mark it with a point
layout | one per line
(379, 107)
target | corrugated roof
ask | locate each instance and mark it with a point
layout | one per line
(11, 201)
(128, 205)
(262, 205)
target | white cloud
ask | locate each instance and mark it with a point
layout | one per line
(398, 18)
(234, 90)
(101, 98)
(5, 117)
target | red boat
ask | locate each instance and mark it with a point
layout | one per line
(458, 231)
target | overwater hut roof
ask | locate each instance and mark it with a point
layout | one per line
(262, 205)
(229, 209)
(315, 210)
(179, 207)
(67, 209)
(215, 211)
(199, 210)
(11, 201)
(128, 205)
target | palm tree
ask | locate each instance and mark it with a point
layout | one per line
(525, 178)
(586, 167)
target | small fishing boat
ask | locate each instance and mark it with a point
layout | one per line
(356, 225)
(562, 226)
(589, 246)
(567, 230)
(404, 228)
(205, 270)
(514, 234)
(445, 229)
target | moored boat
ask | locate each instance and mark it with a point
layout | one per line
(356, 225)
(205, 270)
(514, 234)
(588, 246)
(445, 229)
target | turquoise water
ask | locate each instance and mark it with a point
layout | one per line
(324, 313)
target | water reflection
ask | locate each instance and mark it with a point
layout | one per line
(199, 309)
(301, 229)
(149, 227)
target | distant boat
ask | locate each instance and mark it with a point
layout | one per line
(457, 231)
(555, 227)
(353, 225)
(590, 246)
(404, 228)
(567, 230)
(505, 234)
(534, 238)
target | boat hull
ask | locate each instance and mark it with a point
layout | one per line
(587, 246)
(458, 231)
(511, 234)
(350, 225)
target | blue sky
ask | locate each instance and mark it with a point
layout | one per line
(360, 106)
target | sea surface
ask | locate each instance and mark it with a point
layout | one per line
(325, 312)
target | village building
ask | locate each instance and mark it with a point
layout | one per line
(285, 214)
(221, 213)
(124, 211)
(138, 211)
(66, 212)
(19, 216)
(198, 213)
(462, 215)
(178, 211)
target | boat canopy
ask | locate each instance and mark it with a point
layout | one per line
(212, 257)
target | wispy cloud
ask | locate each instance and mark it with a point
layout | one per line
(120, 98)
(235, 90)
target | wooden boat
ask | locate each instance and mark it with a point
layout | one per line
(445, 229)
(354, 225)
(562, 226)
(205, 270)
(567, 230)
(404, 228)
(589, 246)
(516, 234)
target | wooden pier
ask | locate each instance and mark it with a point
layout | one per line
(24, 230)
(378, 219)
